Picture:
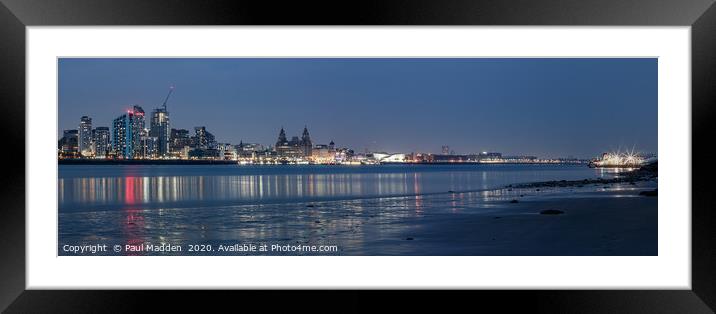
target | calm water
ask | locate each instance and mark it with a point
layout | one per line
(116, 187)
(227, 204)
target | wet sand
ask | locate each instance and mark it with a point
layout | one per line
(613, 223)
(595, 220)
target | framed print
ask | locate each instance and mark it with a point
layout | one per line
(482, 146)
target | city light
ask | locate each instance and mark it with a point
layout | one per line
(622, 160)
(131, 137)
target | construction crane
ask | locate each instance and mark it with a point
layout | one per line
(171, 89)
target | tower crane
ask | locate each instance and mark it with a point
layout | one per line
(171, 89)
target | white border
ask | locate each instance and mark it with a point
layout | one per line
(671, 269)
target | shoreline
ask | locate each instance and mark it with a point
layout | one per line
(645, 173)
(70, 161)
(143, 162)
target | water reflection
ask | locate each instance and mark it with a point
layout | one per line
(362, 211)
(150, 189)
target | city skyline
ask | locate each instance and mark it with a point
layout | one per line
(395, 105)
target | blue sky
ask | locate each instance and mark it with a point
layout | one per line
(544, 107)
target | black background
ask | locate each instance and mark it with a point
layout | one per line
(15, 15)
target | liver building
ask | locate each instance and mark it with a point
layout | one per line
(295, 148)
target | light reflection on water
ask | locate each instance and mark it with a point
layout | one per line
(345, 207)
(151, 188)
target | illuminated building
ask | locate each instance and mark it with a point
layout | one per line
(203, 144)
(149, 146)
(101, 139)
(305, 143)
(621, 160)
(85, 136)
(68, 143)
(226, 151)
(248, 150)
(126, 134)
(137, 119)
(161, 130)
(389, 158)
(203, 139)
(179, 138)
(295, 148)
(487, 156)
(249, 147)
(201, 153)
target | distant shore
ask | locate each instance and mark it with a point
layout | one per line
(79, 161)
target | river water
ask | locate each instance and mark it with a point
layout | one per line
(215, 205)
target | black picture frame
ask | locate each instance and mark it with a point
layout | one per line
(700, 15)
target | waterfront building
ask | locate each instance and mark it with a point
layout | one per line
(85, 137)
(488, 156)
(282, 146)
(520, 159)
(204, 153)
(101, 139)
(150, 146)
(295, 148)
(248, 150)
(67, 145)
(250, 147)
(179, 139)
(161, 130)
(448, 158)
(203, 139)
(122, 136)
(126, 134)
(324, 153)
(226, 151)
(138, 130)
(305, 143)
(344, 155)
(184, 153)
(387, 157)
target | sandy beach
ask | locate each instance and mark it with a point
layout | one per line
(594, 220)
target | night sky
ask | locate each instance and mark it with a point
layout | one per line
(543, 107)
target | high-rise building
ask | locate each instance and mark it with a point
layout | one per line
(68, 143)
(138, 130)
(203, 139)
(149, 146)
(178, 138)
(126, 134)
(101, 139)
(446, 150)
(161, 130)
(85, 136)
